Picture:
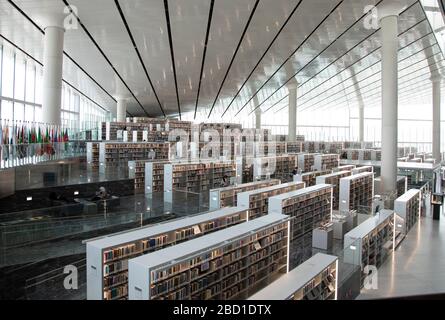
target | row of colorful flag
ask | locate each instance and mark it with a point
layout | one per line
(22, 132)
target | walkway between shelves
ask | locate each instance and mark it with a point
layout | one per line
(416, 267)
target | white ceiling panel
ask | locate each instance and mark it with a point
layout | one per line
(188, 20)
(265, 24)
(102, 20)
(229, 20)
(305, 20)
(149, 28)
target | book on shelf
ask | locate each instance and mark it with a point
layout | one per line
(227, 196)
(257, 200)
(310, 208)
(192, 267)
(314, 279)
(107, 257)
(370, 242)
(356, 192)
(408, 208)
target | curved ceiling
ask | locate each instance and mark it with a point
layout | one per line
(225, 58)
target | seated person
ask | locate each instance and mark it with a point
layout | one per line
(225, 182)
(100, 195)
(151, 154)
(55, 198)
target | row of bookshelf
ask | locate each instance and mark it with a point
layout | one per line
(227, 196)
(310, 178)
(309, 207)
(115, 154)
(370, 242)
(334, 180)
(326, 161)
(356, 192)
(107, 258)
(198, 176)
(229, 264)
(408, 207)
(258, 200)
(280, 167)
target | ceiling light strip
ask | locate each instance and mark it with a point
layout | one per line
(234, 54)
(104, 55)
(209, 24)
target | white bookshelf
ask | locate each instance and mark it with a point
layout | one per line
(334, 180)
(112, 155)
(371, 241)
(306, 161)
(309, 207)
(326, 161)
(408, 207)
(230, 264)
(257, 201)
(113, 251)
(279, 167)
(310, 178)
(402, 185)
(346, 167)
(361, 169)
(224, 197)
(314, 279)
(154, 176)
(197, 176)
(356, 191)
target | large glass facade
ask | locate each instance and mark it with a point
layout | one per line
(21, 94)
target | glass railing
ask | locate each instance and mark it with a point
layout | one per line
(27, 154)
(38, 244)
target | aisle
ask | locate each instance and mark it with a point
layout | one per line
(417, 265)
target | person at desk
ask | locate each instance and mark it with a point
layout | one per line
(151, 154)
(225, 182)
(294, 172)
(100, 195)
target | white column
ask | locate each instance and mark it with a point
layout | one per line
(361, 123)
(388, 22)
(52, 72)
(292, 117)
(436, 82)
(257, 113)
(121, 109)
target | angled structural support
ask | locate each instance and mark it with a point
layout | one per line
(292, 87)
(53, 41)
(388, 17)
(436, 83)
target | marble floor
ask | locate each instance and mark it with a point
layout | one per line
(417, 265)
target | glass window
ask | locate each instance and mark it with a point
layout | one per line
(38, 114)
(8, 74)
(39, 85)
(19, 77)
(19, 111)
(30, 82)
(7, 111)
(29, 113)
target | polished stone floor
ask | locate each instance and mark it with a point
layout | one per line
(417, 266)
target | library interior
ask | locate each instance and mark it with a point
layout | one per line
(222, 149)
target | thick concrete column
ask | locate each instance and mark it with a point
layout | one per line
(388, 21)
(292, 87)
(257, 113)
(361, 123)
(52, 70)
(436, 82)
(121, 109)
